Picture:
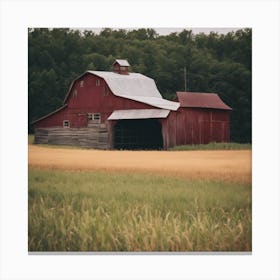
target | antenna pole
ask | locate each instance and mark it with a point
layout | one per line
(185, 78)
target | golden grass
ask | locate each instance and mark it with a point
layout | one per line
(230, 165)
(104, 211)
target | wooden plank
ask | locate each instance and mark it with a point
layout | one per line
(92, 137)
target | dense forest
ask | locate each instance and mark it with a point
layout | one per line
(219, 63)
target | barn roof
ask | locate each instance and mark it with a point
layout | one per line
(201, 100)
(122, 62)
(136, 87)
(139, 114)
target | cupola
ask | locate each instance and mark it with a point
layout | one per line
(120, 66)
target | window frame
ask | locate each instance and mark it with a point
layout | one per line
(95, 117)
(64, 124)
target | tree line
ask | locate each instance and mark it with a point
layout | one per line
(219, 63)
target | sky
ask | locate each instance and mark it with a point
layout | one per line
(166, 31)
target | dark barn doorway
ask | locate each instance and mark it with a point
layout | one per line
(138, 135)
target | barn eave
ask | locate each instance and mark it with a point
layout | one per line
(136, 114)
(50, 114)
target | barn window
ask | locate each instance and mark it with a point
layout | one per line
(97, 82)
(66, 123)
(81, 83)
(94, 117)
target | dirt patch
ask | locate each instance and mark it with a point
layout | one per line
(222, 165)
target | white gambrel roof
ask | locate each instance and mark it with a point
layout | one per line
(137, 87)
(139, 114)
(122, 62)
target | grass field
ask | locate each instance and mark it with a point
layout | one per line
(204, 147)
(88, 200)
(219, 165)
(213, 146)
(100, 211)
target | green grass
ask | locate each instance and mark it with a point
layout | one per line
(101, 211)
(213, 146)
(210, 146)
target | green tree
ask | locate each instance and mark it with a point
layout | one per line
(214, 63)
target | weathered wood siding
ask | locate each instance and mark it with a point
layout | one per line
(95, 136)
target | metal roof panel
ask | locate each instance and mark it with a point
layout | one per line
(122, 62)
(133, 84)
(136, 87)
(138, 114)
(156, 102)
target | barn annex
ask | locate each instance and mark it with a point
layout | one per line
(123, 110)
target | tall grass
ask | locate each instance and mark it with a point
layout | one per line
(99, 211)
(213, 146)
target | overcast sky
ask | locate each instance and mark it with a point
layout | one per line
(165, 31)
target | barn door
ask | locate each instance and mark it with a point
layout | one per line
(138, 134)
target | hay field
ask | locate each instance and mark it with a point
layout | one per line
(131, 201)
(219, 165)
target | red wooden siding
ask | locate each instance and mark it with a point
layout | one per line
(169, 129)
(202, 126)
(75, 117)
(90, 97)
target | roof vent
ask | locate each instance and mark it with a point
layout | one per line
(120, 66)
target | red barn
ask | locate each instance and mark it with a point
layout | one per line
(125, 110)
(202, 118)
